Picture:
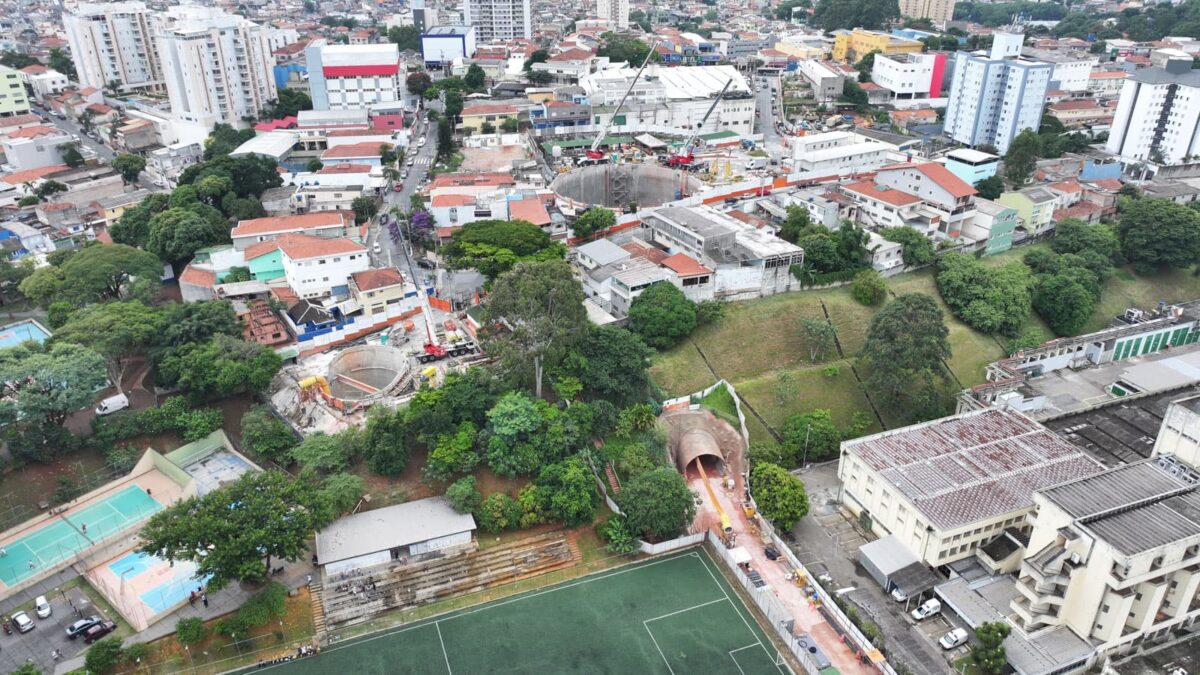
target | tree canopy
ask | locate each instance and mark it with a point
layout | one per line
(43, 384)
(612, 363)
(1022, 156)
(97, 273)
(593, 221)
(119, 331)
(831, 15)
(918, 249)
(988, 299)
(129, 166)
(662, 315)
(657, 504)
(906, 343)
(780, 495)
(176, 234)
(494, 246)
(1158, 234)
(220, 367)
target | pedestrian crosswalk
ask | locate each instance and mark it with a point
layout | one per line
(422, 161)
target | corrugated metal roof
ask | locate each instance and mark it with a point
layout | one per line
(390, 527)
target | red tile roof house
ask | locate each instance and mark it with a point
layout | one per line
(366, 152)
(324, 224)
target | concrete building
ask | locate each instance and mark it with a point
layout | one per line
(616, 12)
(13, 100)
(1158, 117)
(47, 83)
(499, 20)
(1035, 209)
(827, 84)
(349, 77)
(165, 164)
(34, 147)
(1072, 69)
(375, 289)
(950, 198)
(972, 166)
(413, 531)
(947, 487)
(940, 12)
(995, 96)
(674, 97)
(993, 223)
(910, 76)
(114, 42)
(851, 46)
(326, 225)
(314, 267)
(837, 153)
(217, 66)
(443, 45)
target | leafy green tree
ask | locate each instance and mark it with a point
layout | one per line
(364, 208)
(988, 656)
(564, 491)
(510, 125)
(830, 15)
(42, 384)
(865, 65)
(918, 249)
(251, 175)
(1064, 303)
(129, 166)
(321, 453)
(819, 337)
(593, 221)
(266, 435)
(539, 77)
(1072, 235)
(475, 78)
(796, 224)
(384, 445)
(868, 287)
(260, 517)
(405, 37)
(97, 273)
(613, 365)
(133, 226)
(288, 103)
(452, 454)
(903, 355)
(69, 152)
(623, 48)
(494, 246)
(118, 331)
(103, 656)
(516, 443)
(990, 188)
(540, 304)
(190, 630)
(197, 322)
(223, 140)
(17, 60)
(454, 104)
(809, 437)
(989, 299)
(618, 538)
(463, 495)
(176, 234)
(314, 165)
(657, 504)
(779, 495)
(662, 315)
(343, 491)
(462, 397)
(538, 56)
(220, 367)
(49, 188)
(418, 82)
(498, 513)
(445, 138)
(61, 61)
(1022, 156)
(1158, 234)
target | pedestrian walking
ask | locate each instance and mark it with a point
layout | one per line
(31, 565)
(205, 598)
(3, 552)
(83, 526)
(308, 580)
(192, 598)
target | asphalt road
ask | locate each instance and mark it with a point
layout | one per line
(392, 253)
(101, 150)
(772, 141)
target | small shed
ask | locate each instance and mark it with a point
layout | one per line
(411, 530)
(884, 558)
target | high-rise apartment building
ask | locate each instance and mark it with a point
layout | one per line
(940, 12)
(996, 95)
(497, 20)
(113, 42)
(1158, 117)
(616, 12)
(351, 77)
(217, 67)
(13, 100)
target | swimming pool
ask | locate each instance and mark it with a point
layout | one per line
(22, 331)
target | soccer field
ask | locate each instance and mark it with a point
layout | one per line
(670, 615)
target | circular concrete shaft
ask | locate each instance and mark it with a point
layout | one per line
(359, 372)
(616, 185)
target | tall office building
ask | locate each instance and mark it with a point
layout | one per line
(996, 95)
(217, 67)
(1158, 117)
(353, 77)
(113, 42)
(497, 20)
(940, 12)
(614, 11)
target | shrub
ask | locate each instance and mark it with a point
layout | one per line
(618, 539)
(104, 655)
(463, 495)
(498, 513)
(190, 630)
(831, 372)
(122, 458)
(134, 653)
(709, 311)
(263, 606)
(868, 287)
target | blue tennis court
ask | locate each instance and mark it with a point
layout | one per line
(22, 331)
(61, 538)
(160, 584)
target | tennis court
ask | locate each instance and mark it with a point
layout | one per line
(670, 615)
(61, 538)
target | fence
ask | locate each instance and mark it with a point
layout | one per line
(686, 541)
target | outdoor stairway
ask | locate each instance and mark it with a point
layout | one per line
(315, 591)
(404, 586)
(612, 478)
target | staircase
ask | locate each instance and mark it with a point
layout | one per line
(612, 478)
(315, 593)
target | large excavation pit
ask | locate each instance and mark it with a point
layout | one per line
(619, 185)
(366, 370)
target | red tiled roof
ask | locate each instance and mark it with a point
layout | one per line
(18, 120)
(272, 224)
(532, 210)
(346, 168)
(33, 132)
(685, 265)
(870, 86)
(352, 150)
(575, 54)
(1075, 105)
(939, 174)
(472, 180)
(370, 280)
(30, 175)
(88, 91)
(490, 109)
(197, 277)
(99, 108)
(1107, 184)
(646, 251)
(35, 69)
(440, 201)
(56, 206)
(288, 122)
(303, 247)
(868, 189)
(1066, 186)
(1082, 210)
(908, 114)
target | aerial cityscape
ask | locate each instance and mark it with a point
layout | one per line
(734, 337)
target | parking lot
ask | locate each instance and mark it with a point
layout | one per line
(827, 542)
(48, 634)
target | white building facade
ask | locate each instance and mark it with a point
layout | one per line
(1158, 117)
(113, 42)
(499, 20)
(910, 76)
(616, 12)
(349, 77)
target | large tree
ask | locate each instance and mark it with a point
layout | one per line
(623, 48)
(133, 226)
(903, 355)
(991, 187)
(662, 315)
(810, 436)
(233, 533)
(1072, 235)
(418, 82)
(593, 221)
(1021, 158)
(266, 435)
(288, 103)
(988, 656)
(1064, 303)
(988, 299)
(129, 166)
(97, 273)
(613, 364)
(535, 316)
(779, 495)
(385, 446)
(494, 246)
(176, 234)
(657, 504)
(518, 441)
(918, 249)
(43, 385)
(251, 175)
(831, 15)
(221, 367)
(1159, 234)
(118, 331)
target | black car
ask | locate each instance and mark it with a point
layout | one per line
(771, 552)
(425, 264)
(98, 631)
(76, 629)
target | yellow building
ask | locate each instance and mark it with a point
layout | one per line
(475, 117)
(376, 289)
(851, 47)
(940, 12)
(801, 51)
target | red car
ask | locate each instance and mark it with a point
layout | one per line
(98, 631)
(398, 187)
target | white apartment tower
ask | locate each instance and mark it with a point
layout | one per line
(616, 12)
(113, 42)
(217, 67)
(499, 20)
(997, 95)
(353, 77)
(1158, 117)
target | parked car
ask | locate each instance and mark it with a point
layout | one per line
(79, 627)
(398, 187)
(112, 404)
(954, 638)
(927, 609)
(98, 631)
(23, 623)
(425, 264)
(376, 248)
(899, 595)
(423, 139)
(42, 607)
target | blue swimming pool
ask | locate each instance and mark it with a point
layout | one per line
(22, 331)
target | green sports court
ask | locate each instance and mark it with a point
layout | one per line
(671, 615)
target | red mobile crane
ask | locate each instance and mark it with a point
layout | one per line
(685, 157)
(594, 155)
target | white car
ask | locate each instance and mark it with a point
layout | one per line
(42, 607)
(23, 623)
(954, 638)
(899, 595)
(927, 609)
(423, 140)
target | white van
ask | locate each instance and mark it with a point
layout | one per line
(112, 404)
(927, 609)
(954, 638)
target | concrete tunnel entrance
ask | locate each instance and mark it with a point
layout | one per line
(698, 446)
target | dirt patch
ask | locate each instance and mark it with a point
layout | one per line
(492, 159)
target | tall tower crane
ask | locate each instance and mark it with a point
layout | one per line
(685, 157)
(594, 155)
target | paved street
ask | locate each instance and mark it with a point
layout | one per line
(393, 253)
(101, 150)
(772, 141)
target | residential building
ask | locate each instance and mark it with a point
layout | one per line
(1035, 209)
(314, 267)
(326, 225)
(971, 166)
(947, 487)
(943, 193)
(46, 83)
(1072, 68)
(217, 66)
(13, 100)
(499, 20)
(553, 114)
(827, 84)
(34, 147)
(910, 76)
(1080, 113)
(694, 279)
(375, 289)
(616, 12)
(492, 114)
(349, 77)
(1158, 116)
(852, 46)
(1106, 83)
(995, 96)
(881, 208)
(164, 165)
(570, 65)
(443, 45)
(353, 153)
(940, 12)
(883, 254)
(994, 223)
(114, 42)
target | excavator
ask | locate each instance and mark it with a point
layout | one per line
(684, 158)
(594, 154)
